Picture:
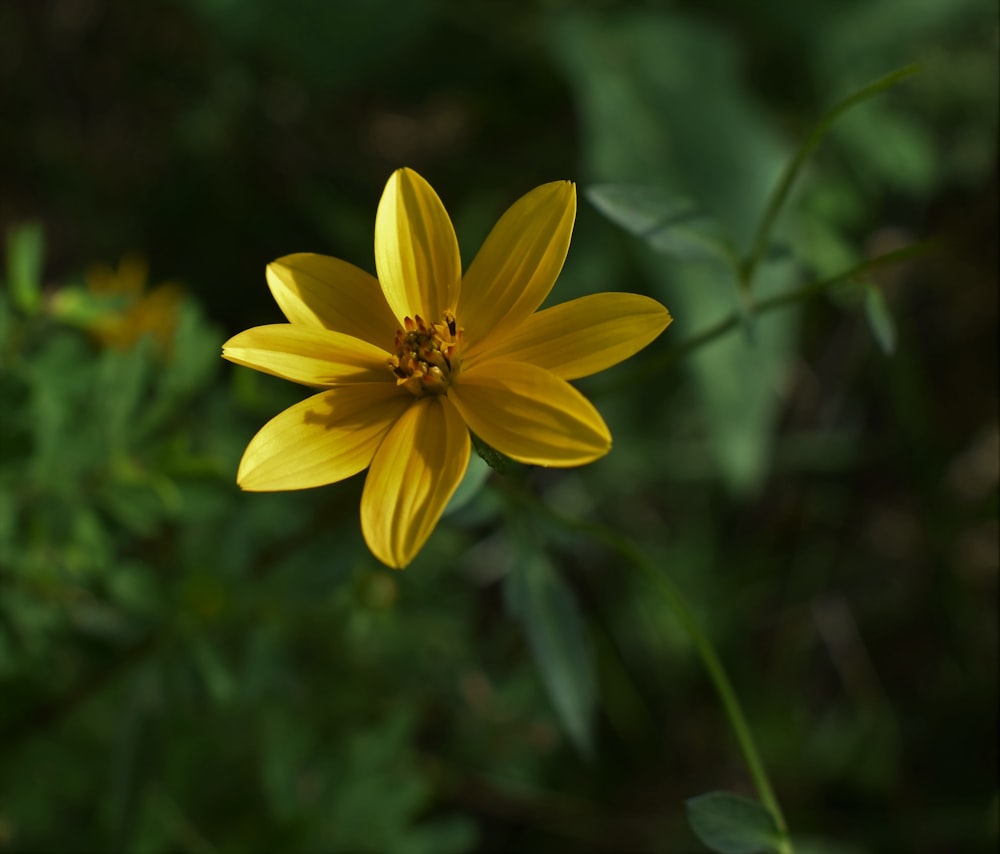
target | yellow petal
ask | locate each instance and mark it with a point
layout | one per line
(416, 251)
(518, 264)
(305, 354)
(417, 468)
(319, 291)
(529, 414)
(586, 335)
(325, 438)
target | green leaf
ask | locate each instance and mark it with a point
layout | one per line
(729, 824)
(220, 684)
(475, 477)
(77, 306)
(735, 376)
(670, 224)
(634, 75)
(121, 384)
(880, 319)
(25, 254)
(491, 456)
(662, 101)
(191, 367)
(538, 595)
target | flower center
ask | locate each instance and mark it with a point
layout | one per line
(427, 355)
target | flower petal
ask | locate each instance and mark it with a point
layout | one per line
(529, 414)
(586, 335)
(319, 291)
(418, 466)
(416, 251)
(323, 439)
(518, 264)
(305, 354)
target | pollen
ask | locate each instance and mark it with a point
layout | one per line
(427, 355)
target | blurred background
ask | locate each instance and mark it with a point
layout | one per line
(184, 667)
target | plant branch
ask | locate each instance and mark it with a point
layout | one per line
(791, 173)
(737, 318)
(709, 658)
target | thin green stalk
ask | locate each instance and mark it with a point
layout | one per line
(791, 173)
(727, 696)
(665, 360)
(709, 658)
(813, 288)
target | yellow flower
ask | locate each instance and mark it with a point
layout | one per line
(132, 310)
(409, 363)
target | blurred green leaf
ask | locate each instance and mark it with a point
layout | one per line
(122, 380)
(729, 824)
(491, 456)
(61, 377)
(476, 476)
(895, 150)
(880, 319)
(633, 75)
(25, 256)
(539, 596)
(737, 376)
(190, 366)
(220, 683)
(78, 306)
(663, 102)
(670, 224)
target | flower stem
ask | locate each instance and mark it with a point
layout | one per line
(796, 295)
(656, 366)
(709, 658)
(723, 687)
(781, 191)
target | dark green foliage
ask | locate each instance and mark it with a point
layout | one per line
(555, 629)
(729, 824)
(185, 667)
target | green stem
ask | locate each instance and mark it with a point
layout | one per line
(723, 687)
(709, 658)
(658, 365)
(780, 194)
